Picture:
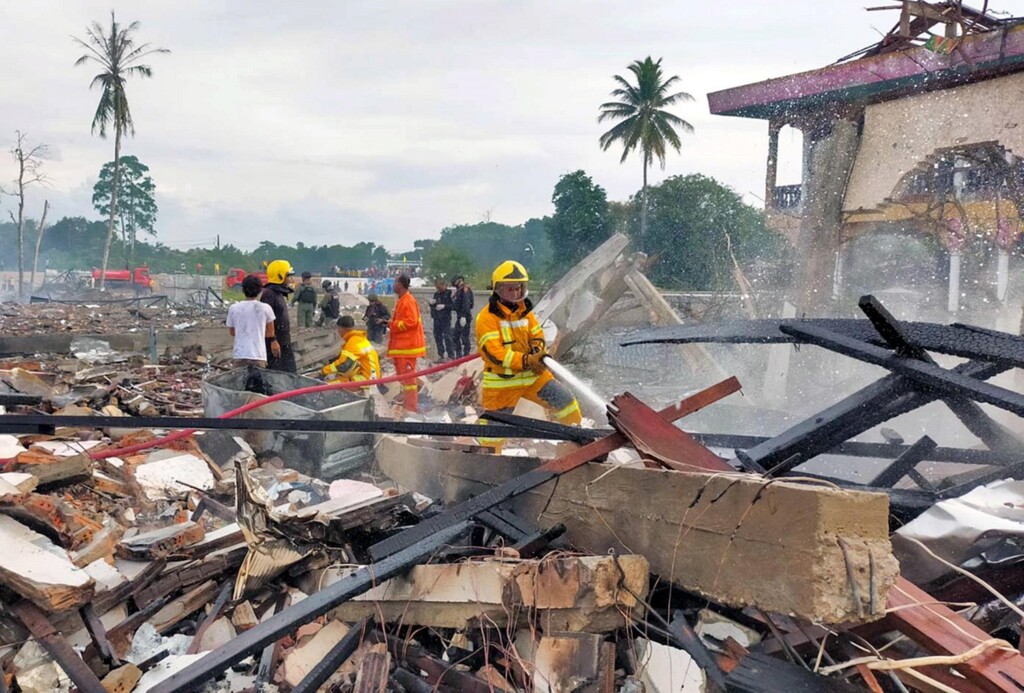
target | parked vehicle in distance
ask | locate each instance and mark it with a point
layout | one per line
(137, 278)
(236, 275)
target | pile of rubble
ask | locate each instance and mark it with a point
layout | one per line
(632, 558)
(112, 384)
(103, 317)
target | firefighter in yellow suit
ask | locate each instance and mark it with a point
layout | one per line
(511, 344)
(358, 359)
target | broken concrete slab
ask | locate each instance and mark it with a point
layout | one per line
(570, 593)
(39, 571)
(584, 294)
(10, 446)
(159, 478)
(704, 532)
(23, 481)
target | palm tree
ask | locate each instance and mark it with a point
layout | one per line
(643, 123)
(118, 57)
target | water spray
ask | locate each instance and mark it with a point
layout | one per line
(581, 389)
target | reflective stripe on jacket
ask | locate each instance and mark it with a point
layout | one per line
(358, 359)
(406, 338)
(503, 337)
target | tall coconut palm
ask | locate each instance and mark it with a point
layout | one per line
(118, 56)
(643, 123)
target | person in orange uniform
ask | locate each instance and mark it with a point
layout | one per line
(358, 360)
(512, 346)
(406, 342)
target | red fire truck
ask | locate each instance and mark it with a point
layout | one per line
(137, 278)
(236, 275)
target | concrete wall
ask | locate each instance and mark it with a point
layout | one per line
(178, 287)
(900, 135)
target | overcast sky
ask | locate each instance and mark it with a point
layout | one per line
(340, 122)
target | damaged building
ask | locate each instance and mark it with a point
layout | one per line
(917, 137)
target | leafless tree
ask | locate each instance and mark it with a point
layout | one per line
(29, 160)
(39, 242)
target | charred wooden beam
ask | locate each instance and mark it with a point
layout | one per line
(574, 433)
(533, 544)
(438, 671)
(928, 377)
(904, 463)
(541, 475)
(685, 638)
(884, 399)
(882, 451)
(36, 423)
(306, 610)
(970, 414)
(498, 524)
(98, 633)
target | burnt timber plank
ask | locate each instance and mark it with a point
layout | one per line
(970, 414)
(542, 474)
(928, 376)
(882, 451)
(876, 403)
(311, 607)
(965, 341)
(903, 464)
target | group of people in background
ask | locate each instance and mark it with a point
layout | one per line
(456, 302)
(506, 333)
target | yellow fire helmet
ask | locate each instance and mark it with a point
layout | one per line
(509, 271)
(278, 271)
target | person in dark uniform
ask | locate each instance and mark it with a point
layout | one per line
(441, 312)
(376, 317)
(463, 305)
(280, 356)
(330, 307)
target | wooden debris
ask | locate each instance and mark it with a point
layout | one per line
(372, 676)
(243, 617)
(186, 604)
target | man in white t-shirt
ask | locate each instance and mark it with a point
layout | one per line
(251, 322)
